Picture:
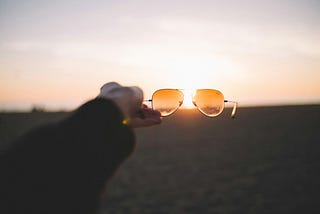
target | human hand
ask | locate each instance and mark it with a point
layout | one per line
(146, 117)
(129, 100)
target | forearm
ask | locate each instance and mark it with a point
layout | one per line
(69, 161)
(98, 127)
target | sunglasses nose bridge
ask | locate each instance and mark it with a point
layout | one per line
(192, 95)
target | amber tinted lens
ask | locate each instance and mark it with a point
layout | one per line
(167, 101)
(209, 102)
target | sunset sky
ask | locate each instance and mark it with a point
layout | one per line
(57, 54)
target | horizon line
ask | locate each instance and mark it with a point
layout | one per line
(43, 108)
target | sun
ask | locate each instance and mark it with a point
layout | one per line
(187, 101)
(191, 72)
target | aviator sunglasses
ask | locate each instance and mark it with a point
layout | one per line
(209, 102)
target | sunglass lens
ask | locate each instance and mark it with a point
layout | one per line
(167, 101)
(209, 102)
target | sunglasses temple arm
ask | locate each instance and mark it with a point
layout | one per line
(140, 112)
(148, 100)
(234, 109)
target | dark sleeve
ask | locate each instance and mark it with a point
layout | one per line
(63, 167)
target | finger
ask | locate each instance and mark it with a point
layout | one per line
(144, 106)
(150, 112)
(147, 112)
(150, 117)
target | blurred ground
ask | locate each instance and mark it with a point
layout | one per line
(267, 160)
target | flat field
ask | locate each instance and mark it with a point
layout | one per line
(266, 160)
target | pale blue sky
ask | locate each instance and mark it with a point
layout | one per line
(58, 53)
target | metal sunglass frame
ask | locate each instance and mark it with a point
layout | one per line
(233, 113)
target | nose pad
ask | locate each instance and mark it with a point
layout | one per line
(194, 103)
(180, 103)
